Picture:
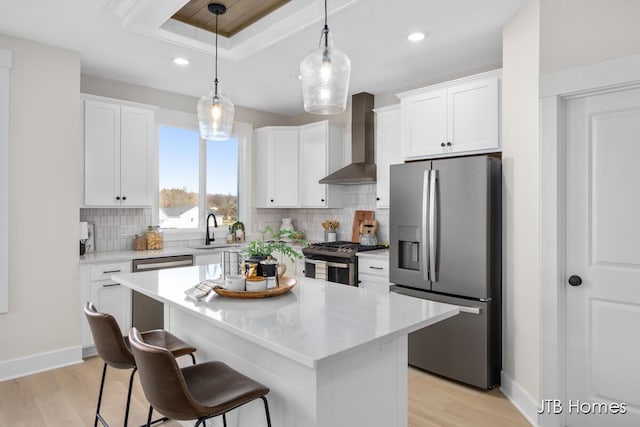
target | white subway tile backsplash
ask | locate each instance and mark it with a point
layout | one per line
(108, 223)
(355, 197)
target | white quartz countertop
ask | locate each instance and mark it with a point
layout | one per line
(128, 255)
(312, 324)
(377, 254)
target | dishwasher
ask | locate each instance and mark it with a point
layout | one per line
(148, 313)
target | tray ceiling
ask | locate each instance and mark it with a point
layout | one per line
(240, 14)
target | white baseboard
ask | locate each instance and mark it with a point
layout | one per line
(16, 368)
(520, 399)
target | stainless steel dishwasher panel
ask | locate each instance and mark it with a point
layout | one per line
(147, 313)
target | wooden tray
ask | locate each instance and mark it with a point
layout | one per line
(286, 284)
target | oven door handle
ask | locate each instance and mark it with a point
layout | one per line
(329, 264)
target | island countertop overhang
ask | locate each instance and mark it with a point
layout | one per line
(313, 324)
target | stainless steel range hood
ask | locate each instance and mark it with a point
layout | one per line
(362, 170)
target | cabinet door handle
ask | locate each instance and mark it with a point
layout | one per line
(448, 144)
(271, 200)
(322, 200)
(442, 144)
(376, 268)
(124, 197)
(110, 285)
(378, 198)
(117, 197)
(111, 271)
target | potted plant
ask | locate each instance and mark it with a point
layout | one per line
(271, 241)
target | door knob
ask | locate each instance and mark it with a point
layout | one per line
(575, 280)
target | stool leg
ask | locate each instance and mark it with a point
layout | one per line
(126, 411)
(149, 417)
(98, 416)
(193, 358)
(224, 419)
(266, 410)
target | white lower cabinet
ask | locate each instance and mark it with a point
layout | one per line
(373, 272)
(212, 258)
(107, 295)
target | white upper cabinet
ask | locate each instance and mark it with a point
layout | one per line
(289, 162)
(276, 167)
(388, 149)
(461, 116)
(321, 153)
(117, 148)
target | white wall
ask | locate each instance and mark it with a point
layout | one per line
(172, 101)
(44, 157)
(521, 198)
(582, 32)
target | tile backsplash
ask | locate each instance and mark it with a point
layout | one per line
(116, 227)
(356, 197)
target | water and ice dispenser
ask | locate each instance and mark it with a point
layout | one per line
(409, 247)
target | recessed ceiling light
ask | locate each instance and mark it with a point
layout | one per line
(181, 61)
(416, 36)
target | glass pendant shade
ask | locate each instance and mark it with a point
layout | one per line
(215, 116)
(325, 76)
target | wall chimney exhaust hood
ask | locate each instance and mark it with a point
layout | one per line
(362, 170)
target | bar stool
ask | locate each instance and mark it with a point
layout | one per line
(197, 392)
(114, 350)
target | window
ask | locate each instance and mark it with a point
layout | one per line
(195, 178)
(222, 180)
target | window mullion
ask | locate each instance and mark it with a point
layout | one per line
(203, 184)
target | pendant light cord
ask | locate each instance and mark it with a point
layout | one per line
(215, 82)
(326, 27)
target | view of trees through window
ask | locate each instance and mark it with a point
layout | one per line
(179, 179)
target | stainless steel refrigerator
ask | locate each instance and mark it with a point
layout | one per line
(446, 245)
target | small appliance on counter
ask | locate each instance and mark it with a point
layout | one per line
(84, 236)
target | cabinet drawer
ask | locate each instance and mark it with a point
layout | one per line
(374, 266)
(104, 271)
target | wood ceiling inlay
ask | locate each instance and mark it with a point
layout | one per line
(240, 14)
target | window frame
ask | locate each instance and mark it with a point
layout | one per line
(243, 132)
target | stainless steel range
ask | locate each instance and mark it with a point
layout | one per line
(335, 261)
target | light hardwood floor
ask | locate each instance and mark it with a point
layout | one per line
(66, 397)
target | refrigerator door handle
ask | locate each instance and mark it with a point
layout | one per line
(433, 225)
(470, 310)
(425, 208)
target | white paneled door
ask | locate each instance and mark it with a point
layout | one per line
(603, 260)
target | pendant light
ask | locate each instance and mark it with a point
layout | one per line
(215, 111)
(325, 76)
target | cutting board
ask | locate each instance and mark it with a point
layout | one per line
(358, 218)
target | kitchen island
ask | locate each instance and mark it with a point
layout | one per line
(332, 355)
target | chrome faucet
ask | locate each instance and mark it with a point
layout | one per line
(210, 237)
